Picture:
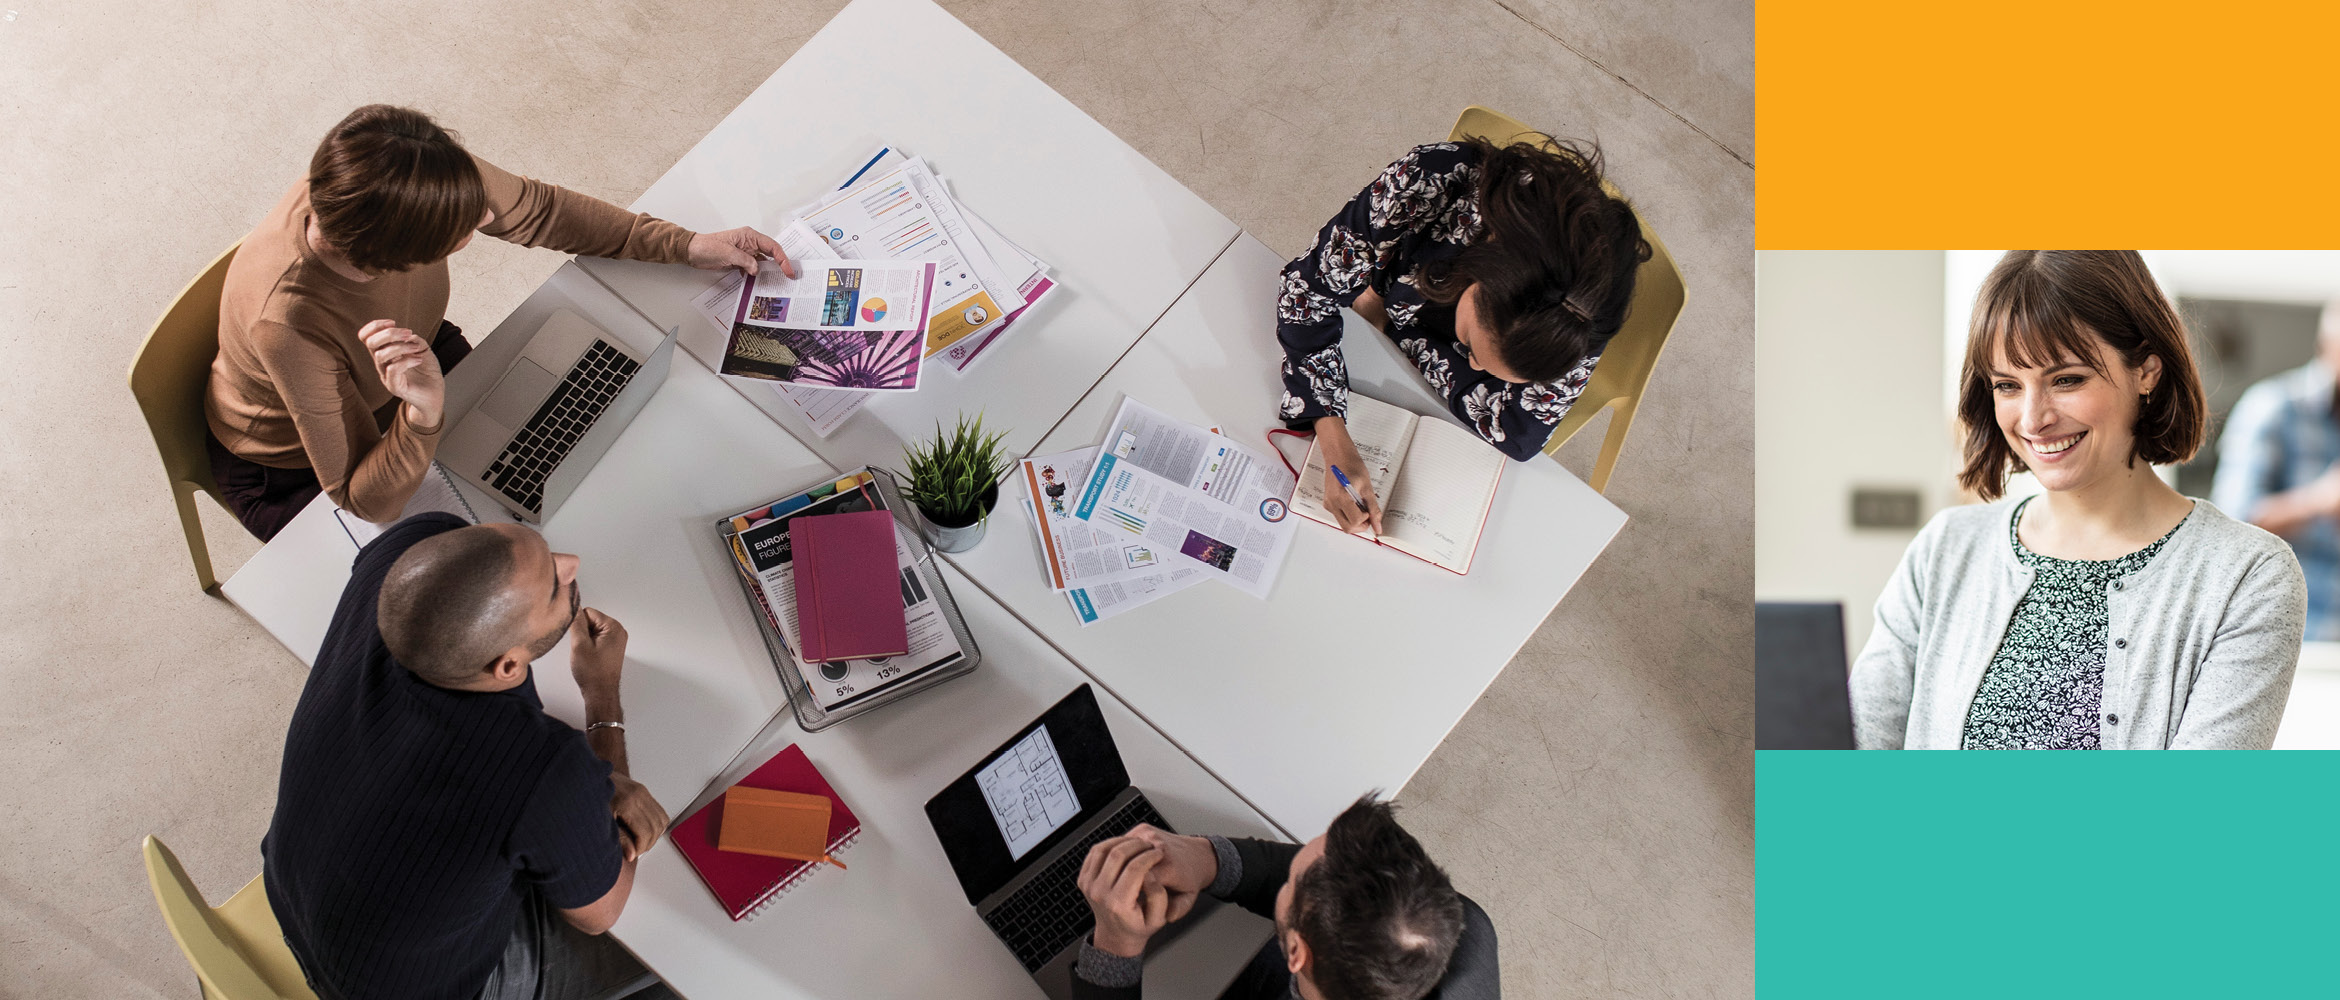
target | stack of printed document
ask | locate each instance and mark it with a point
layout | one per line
(1161, 506)
(895, 208)
(761, 551)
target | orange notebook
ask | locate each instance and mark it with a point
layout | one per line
(746, 883)
(789, 825)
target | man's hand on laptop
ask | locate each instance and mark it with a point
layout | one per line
(643, 819)
(1129, 905)
(1189, 866)
(743, 248)
(408, 369)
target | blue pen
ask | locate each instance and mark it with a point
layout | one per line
(1351, 491)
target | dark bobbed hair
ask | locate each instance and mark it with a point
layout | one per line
(448, 608)
(2040, 306)
(1556, 263)
(392, 190)
(1381, 919)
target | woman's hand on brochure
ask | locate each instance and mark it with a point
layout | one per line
(639, 814)
(1332, 437)
(743, 248)
(408, 369)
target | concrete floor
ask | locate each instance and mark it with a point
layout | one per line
(1598, 800)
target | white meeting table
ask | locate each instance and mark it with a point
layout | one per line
(1123, 237)
(1346, 678)
(1361, 659)
(699, 686)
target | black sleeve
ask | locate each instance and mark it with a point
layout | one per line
(1351, 253)
(566, 841)
(1517, 418)
(1267, 865)
(1473, 973)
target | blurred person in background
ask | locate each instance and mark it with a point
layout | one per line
(2279, 468)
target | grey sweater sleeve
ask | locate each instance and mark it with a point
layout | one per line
(2237, 698)
(1883, 678)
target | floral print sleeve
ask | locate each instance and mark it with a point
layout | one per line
(1358, 249)
(1422, 209)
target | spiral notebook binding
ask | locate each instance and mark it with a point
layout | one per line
(787, 885)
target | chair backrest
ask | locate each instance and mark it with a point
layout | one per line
(1658, 294)
(171, 369)
(219, 943)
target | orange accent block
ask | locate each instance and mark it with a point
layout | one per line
(2013, 122)
(774, 824)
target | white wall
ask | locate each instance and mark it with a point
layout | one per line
(1849, 392)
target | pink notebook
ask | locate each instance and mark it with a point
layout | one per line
(848, 590)
(746, 883)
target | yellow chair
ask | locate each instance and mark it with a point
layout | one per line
(168, 376)
(237, 950)
(1623, 374)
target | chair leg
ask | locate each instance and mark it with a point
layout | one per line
(192, 524)
(1619, 423)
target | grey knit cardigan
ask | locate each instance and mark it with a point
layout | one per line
(2200, 655)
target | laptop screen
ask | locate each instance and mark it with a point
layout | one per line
(1028, 795)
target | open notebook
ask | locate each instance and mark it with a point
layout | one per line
(1436, 482)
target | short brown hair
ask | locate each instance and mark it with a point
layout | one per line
(2039, 306)
(392, 190)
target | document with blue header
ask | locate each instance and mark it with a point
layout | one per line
(1193, 493)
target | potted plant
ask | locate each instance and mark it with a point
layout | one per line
(953, 480)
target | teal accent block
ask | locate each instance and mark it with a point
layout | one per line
(2014, 875)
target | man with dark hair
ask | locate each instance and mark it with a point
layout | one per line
(437, 835)
(1361, 913)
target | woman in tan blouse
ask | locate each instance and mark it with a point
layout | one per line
(333, 337)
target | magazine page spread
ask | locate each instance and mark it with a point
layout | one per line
(1193, 492)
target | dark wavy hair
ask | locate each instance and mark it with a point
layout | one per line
(1380, 917)
(392, 190)
(1556, 262)
(2095, 306)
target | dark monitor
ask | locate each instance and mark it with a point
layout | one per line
(1801, 701)
(1029, 795)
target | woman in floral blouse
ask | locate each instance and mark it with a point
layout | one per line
(1500, 271)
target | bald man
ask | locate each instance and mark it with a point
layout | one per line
(2279, 468)
(437, 835)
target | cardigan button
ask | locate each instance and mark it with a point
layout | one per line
(2120, 643)
(2112, 719)
(2116, 584)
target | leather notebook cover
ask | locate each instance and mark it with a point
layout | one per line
(789, 825)
(848, 591)
(745, 883)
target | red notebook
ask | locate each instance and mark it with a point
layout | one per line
(746, 883)
(848, 589)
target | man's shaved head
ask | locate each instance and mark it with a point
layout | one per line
(457, 601)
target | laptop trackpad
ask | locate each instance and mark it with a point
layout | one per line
(516, 397)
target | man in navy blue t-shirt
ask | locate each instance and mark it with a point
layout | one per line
(437, 835)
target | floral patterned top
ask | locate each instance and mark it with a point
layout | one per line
(1422, 209)
(2044, 689)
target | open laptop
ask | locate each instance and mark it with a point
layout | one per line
(1801, 698)
(1018, 826)
(551, 414)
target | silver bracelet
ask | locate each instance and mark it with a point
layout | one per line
(619, 726)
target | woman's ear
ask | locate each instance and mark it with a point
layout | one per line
(2149, 374)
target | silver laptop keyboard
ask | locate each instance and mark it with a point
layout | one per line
(565, 416)
(1049, 912)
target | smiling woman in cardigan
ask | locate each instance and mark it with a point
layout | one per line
(2109, 611)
